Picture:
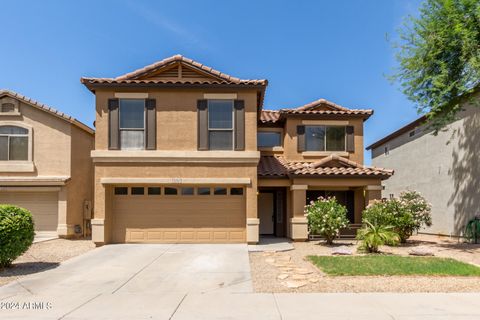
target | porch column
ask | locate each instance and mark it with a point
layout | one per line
(372, 193)
(63, 229)
(252, 215)
(298, 223)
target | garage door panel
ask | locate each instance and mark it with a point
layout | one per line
(42, 205)
(177, 219)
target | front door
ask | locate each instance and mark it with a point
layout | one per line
(266, 212)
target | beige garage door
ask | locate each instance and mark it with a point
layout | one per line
(42, 205)
(179, 215)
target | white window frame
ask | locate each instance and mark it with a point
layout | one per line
(120, 129)
(28, 135)
(222, 129)
(325, 138)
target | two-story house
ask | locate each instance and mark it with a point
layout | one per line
(177, 158)
(45, 165)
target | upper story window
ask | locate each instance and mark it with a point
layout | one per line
(132, 124)
(269, 139)
(325, 138)
(13, 143)
(220, 124)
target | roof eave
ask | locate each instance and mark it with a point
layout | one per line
(398, 132)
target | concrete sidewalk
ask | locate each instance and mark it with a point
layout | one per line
(371, 306)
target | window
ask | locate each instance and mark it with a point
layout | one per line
(187, 191)
(325, 138)
(8, 107)
(236, 191)
(267, 139)
(154, 190)
(220, 124)
(412, 133)
(203, 191)
(132, 124)
(220, 191)
(13, 143)
(138, 191)
(386, 150)
(121, 191)
(170, 191)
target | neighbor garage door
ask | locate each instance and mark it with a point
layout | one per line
(42, 205)
(179, 214)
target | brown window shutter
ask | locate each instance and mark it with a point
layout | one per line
(202, 111)
(151, 124)
(350, 139)
(113, 125)
(239, 107)
(301, 138)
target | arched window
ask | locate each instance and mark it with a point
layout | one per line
(13, 143)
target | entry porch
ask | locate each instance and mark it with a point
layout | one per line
(281, 203)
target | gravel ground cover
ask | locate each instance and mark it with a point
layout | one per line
(43, 256)
(278, 271)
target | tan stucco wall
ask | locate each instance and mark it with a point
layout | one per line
(51, 142)
(177, 117)
(80, 187)
(290, 139)
(179, 170)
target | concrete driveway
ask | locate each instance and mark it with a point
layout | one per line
(132, 270)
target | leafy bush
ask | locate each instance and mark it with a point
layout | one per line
(406, 215)
(16, 233)
(373, 236)
(472, 230)
(326, 217)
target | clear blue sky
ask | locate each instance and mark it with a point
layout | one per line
(337, 50)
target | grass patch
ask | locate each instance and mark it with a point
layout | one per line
(374, 265)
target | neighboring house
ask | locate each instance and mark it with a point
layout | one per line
(45, 164)
(177, 158)
(444, 168)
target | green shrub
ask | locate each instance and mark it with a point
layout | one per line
(472, 230)
(406, 215)
(326, 217)
(16, 233)
(374, 236)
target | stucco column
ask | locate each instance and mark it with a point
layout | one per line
(252, 214)
(372, 193)
(298, 224)
(99, 225)
(63, 229)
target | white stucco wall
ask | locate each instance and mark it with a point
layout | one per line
(444, 168)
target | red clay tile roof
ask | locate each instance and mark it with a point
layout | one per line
(134, 77)
(321, 102)
(48, 109)
(329, 112)
(269, 116)
(318, 107)
(277, 166)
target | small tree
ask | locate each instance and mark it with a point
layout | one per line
(373, 236)
(439, 57)
(326, 217)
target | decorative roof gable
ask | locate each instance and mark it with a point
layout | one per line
(176, 69)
